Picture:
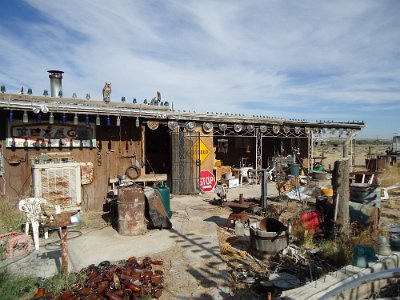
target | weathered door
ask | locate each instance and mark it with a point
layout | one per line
(185, 162)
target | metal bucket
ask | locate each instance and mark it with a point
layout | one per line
(365, 193)
(265, 243)
(131, 208)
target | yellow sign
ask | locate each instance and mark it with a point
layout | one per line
(204, 151)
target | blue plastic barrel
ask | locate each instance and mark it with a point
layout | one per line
(365, 193)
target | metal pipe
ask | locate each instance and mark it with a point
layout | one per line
(55, 83)
(387, 274)
(263, 188)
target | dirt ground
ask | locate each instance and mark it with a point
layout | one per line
(200, 267)
(196, 278)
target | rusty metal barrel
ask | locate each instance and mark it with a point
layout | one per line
(131, 209)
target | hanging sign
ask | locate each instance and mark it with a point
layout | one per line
(207, 181)
(50, 135)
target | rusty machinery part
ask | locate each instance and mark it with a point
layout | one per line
(133, 172)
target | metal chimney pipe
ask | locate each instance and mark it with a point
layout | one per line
(55, 82)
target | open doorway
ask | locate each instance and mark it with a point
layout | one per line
(158, 150)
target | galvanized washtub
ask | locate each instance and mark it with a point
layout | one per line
(269, 239)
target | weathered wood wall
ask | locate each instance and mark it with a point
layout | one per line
(118, 145)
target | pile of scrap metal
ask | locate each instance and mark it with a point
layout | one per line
(131, 280)
(306, 265)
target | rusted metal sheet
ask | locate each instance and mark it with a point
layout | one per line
(131, 209)
(157, 213)
(87, 172)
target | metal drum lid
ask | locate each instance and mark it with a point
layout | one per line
(222, 126)
(153, 125)
(207, 127)
(286, 129)
(250, 127)
(275, 129)
(173, 125)
(237, 127)
(263, 128)
(190, 125)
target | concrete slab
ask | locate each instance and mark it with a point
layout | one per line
(106, 244)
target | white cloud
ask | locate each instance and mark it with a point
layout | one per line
(290, 57)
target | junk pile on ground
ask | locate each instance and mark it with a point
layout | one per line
(131, 279)
(305, 265)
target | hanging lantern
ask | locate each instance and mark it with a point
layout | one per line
(137, 122)
(76, 119)
(25, 117)
(108, 121)
(97, 120)
(87, 120)
(118, 121)
(248, 149)
(63, 119)
(39, 118)
(10, 116)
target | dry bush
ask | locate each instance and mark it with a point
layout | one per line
(11, 218)
(390, 176)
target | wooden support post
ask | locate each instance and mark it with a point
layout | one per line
(341, 187)
(64, 250)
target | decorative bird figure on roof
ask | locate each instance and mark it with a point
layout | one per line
(106, 92)
(158, 96)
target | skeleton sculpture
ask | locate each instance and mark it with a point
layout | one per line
(106, 92)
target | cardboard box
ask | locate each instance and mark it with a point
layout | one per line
(231, 183)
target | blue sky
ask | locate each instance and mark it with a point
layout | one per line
(314, 60)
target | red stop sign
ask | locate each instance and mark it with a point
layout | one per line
(207, 181)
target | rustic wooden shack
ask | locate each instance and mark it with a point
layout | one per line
(75, 150)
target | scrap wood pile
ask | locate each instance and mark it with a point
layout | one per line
(130, 280)
(306, 265)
